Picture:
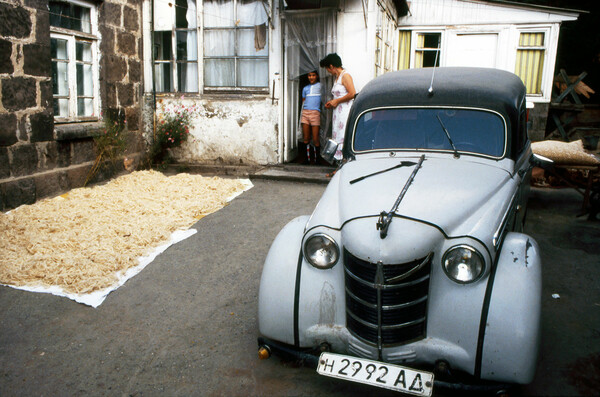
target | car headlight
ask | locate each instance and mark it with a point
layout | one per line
(463, 264)
(321, 251)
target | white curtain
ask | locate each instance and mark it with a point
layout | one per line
(220, 42)
(190, 82)
(309, 37)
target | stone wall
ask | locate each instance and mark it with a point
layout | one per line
(39, 158)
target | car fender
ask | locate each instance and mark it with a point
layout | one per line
(278, 283)
(512, 327)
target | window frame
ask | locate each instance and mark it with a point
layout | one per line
(415, 46)
(200, 61)
(174, 62)
(384, 42)
(72, 37)
(544, 49)
(235, 28)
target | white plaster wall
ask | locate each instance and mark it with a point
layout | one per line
(231, 131)
(356, 43)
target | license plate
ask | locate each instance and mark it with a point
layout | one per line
(375, 373)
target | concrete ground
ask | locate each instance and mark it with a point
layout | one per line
(186, 325)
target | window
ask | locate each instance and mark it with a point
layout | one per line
(73, 44)
(235, 44)
(427, 51)
(234, 51)
(383, 43)
(472, 131)
(530, 60)
(175, 46)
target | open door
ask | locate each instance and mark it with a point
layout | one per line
(308, 37)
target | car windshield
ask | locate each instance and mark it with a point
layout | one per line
(470, 130)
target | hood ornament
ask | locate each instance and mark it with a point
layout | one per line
(385, 218)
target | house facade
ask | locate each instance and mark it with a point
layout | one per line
(62, 64)
(243, 63)
(518, 38)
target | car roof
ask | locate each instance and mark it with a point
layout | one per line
(483, 88)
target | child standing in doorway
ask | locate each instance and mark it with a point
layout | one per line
(311, 120)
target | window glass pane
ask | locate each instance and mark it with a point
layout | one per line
(81, 19)
(431, 40)
(427, 54)
(163, 77)
(60, 78)
(162, 45)
(219, 43)
(219, 73)
(187, 46)
(70, 16)
(85, 107)
(185, 14)
(218, 13)
(471, 131)
(250, 13)
(85, 84)
(163, 15)
(58, 49)
(247, 44)
(60, 14)
(531, 39)
(253, 73)
(529, 67)
(83, 51)
(187, 77)
(61, 107)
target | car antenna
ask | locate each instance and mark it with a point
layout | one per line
(430, 90)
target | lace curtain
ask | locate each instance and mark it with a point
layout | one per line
(309, 37)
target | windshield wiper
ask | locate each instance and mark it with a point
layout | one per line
(456, 155)
(402, 164)
(385, 218)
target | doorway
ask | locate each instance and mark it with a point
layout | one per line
(308, 37)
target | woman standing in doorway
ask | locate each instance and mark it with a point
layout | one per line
(343, 92)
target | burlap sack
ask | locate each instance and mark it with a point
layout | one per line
(571, 153)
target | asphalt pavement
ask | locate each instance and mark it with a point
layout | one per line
(187, 324)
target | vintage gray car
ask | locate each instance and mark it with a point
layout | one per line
(413, 271)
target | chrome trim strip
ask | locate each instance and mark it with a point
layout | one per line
(385, 327)
(403, 325)
(386, 307)
(363, 322)
(501, 229)
(411, 271)
(407, 304)
(359, 300)
(389, 287)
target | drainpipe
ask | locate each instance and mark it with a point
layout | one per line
(282, 88)
(153, 70)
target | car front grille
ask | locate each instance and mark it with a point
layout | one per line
(386, 304)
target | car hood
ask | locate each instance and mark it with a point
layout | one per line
(459, 196)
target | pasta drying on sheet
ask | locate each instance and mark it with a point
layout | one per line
(82, 240)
